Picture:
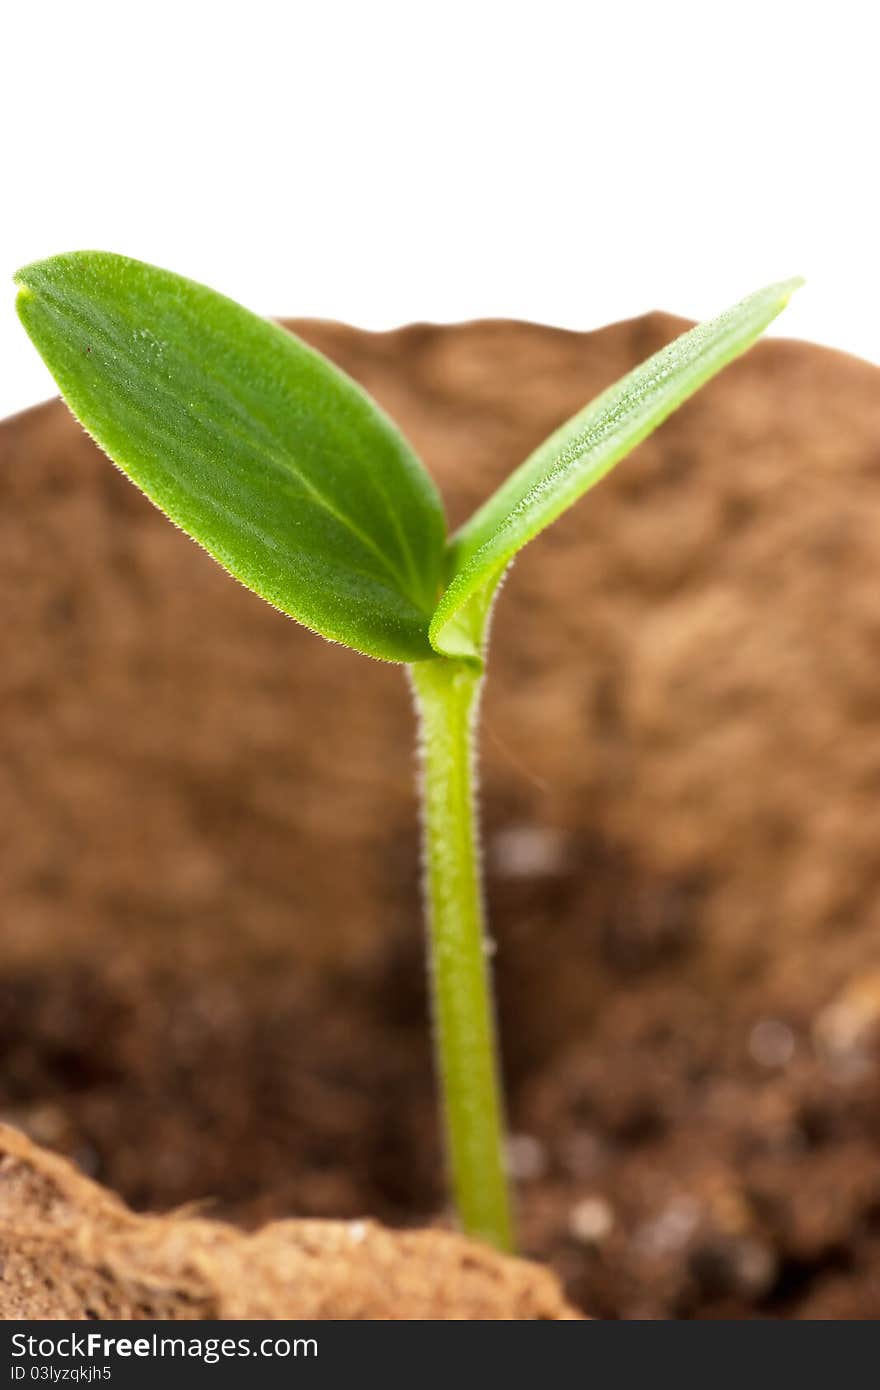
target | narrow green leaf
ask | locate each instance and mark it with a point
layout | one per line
(577, 455)
(274, 461)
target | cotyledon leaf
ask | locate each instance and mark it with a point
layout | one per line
(577, 455)
(268, 456)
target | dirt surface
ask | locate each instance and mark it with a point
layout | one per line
(72, 1250)
(211, 960)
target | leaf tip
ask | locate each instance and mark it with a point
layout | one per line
(28, 276)
(30, 280)
(51, 272)
(786, 288)
(26, 293)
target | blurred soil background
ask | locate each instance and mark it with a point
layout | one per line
(211, 963)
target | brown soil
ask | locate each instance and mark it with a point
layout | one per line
(211, 975)
(72, 1250)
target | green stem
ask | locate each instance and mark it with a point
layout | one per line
(447, 696)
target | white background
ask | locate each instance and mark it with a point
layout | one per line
(383, 162)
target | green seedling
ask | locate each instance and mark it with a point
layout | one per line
(294, 480)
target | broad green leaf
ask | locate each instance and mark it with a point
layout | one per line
(274, 461)
(581, 452)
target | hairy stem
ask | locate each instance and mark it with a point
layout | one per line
(447, 696)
